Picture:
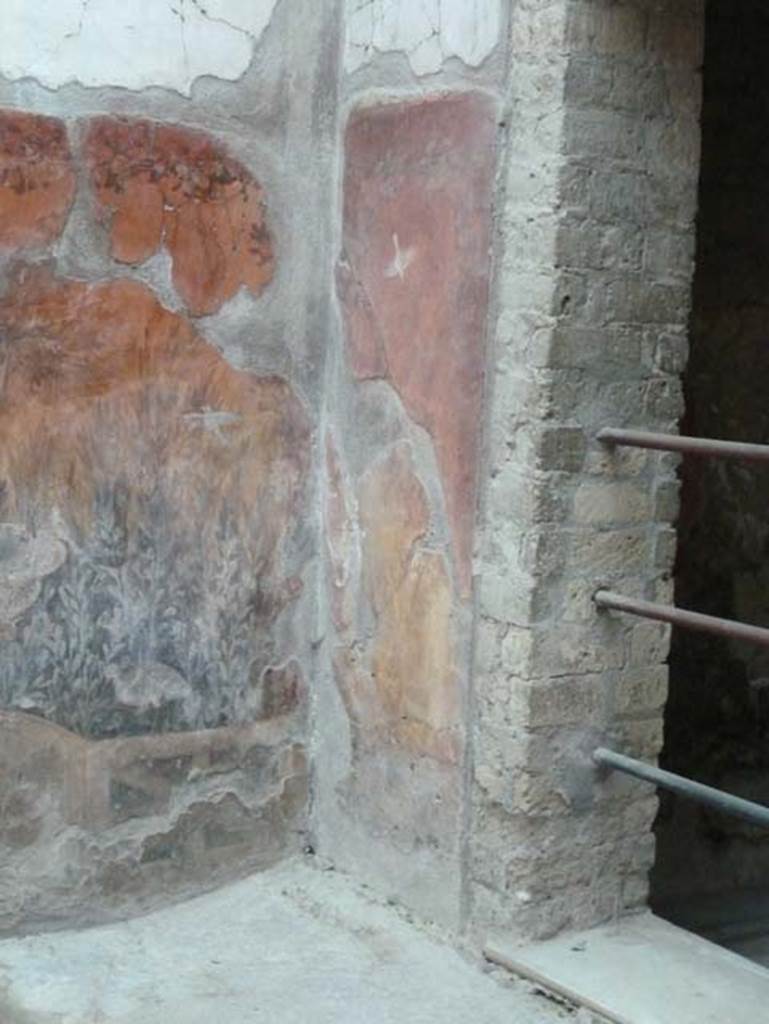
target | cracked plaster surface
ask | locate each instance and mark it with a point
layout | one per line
(133, 44)
(427, 31)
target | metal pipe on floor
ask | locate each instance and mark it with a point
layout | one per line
(683, 618)
(754, 813)
(685, 445)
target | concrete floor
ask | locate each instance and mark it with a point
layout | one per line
(290, 946)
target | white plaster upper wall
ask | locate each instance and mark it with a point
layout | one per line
(427, 31)
(130, 43)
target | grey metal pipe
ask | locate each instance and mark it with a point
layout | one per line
(683, 618)
(685, 445)
(756, 814)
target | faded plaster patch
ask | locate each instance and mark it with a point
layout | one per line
(130, 43)
(427, 31)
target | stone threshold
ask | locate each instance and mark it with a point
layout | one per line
(642, 970)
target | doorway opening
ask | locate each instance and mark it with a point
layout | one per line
(712, 872)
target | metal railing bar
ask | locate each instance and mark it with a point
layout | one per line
(685, 445)
(756, 814)
(682, 618)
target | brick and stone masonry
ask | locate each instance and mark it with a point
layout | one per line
(301, 509)
(592, 294)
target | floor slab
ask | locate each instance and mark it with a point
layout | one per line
(643, 970)
(290, 946)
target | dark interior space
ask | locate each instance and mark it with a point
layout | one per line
(712, 872)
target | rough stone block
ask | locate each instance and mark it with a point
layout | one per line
(603, 554)
(572, 649)
(642, 739)
(604, 135)
(611, 504)
(665, 548)
(642, 90)
(617, 197)
(542, 550)
(591, 246)
(589, 82)
(520, 494)
(640, 691)
(649, 643)
(576, 604)
(614, 462)
(677, 38)
(510, 596)
(669, 255)
(563, 701)
(561, 448)
(616, 30)
(671, 353)
(670, 201)
(605, 351)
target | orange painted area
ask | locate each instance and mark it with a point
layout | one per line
(404, 691)
(100, 383)
(165, 185)
(37, 180)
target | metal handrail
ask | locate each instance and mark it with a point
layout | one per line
(681, 617)
(747, 810)
(685, 445)
(727, 803)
